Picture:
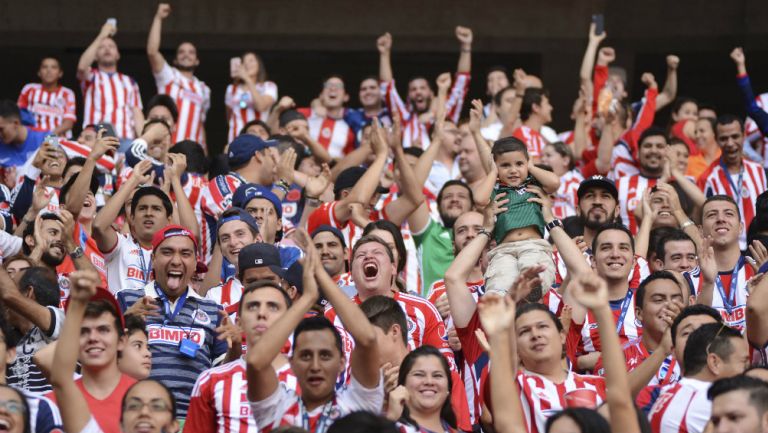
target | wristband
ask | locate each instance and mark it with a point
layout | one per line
(77, 253)
(281, 187)
(686, 224)
(485, 232)
(553, 224)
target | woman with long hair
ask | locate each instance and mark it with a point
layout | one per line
(250, 96)
(422, 400)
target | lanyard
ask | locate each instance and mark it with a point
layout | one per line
(146, 270)
(730, 301)
(170, 316)
(739, 184)
(624, 307)
(323, 422)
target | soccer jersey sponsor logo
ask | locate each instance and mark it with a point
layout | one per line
(165, 334)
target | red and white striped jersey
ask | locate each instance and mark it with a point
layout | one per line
(285, 408)
(335, 135)
(227, 295)
(414, 128)
(758, 355)
(623, 156)
(542, 398)
(584, 338)
(241, 108)
(49, 108)
(752, 133)
(73, 149)
(736, 316)
(219, 401)
(110, 97)
(554, 301)
(193, 99)
(425, 326)
(635, 353)
(743, 187)
(681, 407)
(631, 189)
(566, 199)
(476, 288)
(532, 139)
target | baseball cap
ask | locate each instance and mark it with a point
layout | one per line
(289, 116)
(326, 228)
(258, 255)
(249, 191)
(104, 295)
(238, 214)
(349, 177)
(244, 146)
(294, 275)
(170, 231)
(598, 182)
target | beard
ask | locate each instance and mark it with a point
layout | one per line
(448, 221)
(51, 260)
(596, 224)
(185, 68)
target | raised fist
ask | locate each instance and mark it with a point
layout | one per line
(384, 43)
(464, 35)
(649, 80)
(738, 55)
(673, 61)
(163, 10)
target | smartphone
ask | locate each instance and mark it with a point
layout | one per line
(53, 141)
(109, 131)
(234, 66)
(599, 21)
(112, 21)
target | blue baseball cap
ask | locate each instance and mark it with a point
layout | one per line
(249, 191)
(237, 215)
(244, 146)
(258, 255)
(326, 228)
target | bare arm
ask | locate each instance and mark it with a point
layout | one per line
(103, 233)
(669, 92)
(89, 55)
(549, 181)
(213, 276)
(262, 379)
(352, 159)
(483, 147)
(284, 104)
(80, 188)
(384, 45)
(588, 61)
(757, 312)
(66, 125)
(366, 186)
(592, 292)
(643, 373)
(26, 307)
(156, 60)
(464, 35)
(411, 196)
(187, 216)
(74, 408)
(582, 123)
(605, 147)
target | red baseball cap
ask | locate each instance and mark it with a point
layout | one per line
(170, 231)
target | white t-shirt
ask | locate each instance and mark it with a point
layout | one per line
(129, 265)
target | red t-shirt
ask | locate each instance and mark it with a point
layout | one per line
(106, 412)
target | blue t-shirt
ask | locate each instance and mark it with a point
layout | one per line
(16, 155)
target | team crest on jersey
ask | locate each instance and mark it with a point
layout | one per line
(289, 210)
(745, 191)
(293, 195)
(411, 325)
(202, 317)
(326, 132)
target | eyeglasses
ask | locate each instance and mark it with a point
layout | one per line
(154, 406)
(12, 406)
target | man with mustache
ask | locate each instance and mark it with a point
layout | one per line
(329, 242)
(418, 115)
(733, 175)
(192, 96)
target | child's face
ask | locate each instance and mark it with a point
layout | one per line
(513, 168)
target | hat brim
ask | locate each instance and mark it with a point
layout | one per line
(597, 183)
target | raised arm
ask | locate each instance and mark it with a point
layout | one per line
(644, 373)
(384, 45)
(411, 195)
(757, 312)
(588, 61)
(483, 147)
(754, 111)
(497, 315)
(156, 59)
(583, 121)
(366, 186)
(22, 305)
(187, 217)
(72, 404)
(89, 55)
(262, 379)
(669, 92)
(464, 35)
(284, 104)
(549, 181)
(607, 142)
(591, 291)
(364, 360)
(103, 232)
(80, 188)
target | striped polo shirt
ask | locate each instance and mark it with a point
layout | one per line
(196, 320)
(520, 213)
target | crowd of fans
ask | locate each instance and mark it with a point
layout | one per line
(389, 268)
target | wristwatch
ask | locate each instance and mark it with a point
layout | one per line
(77, 253)
(553, 224)
(686, 224)
(485, 232)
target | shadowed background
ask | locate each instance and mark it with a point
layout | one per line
(303, 41)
